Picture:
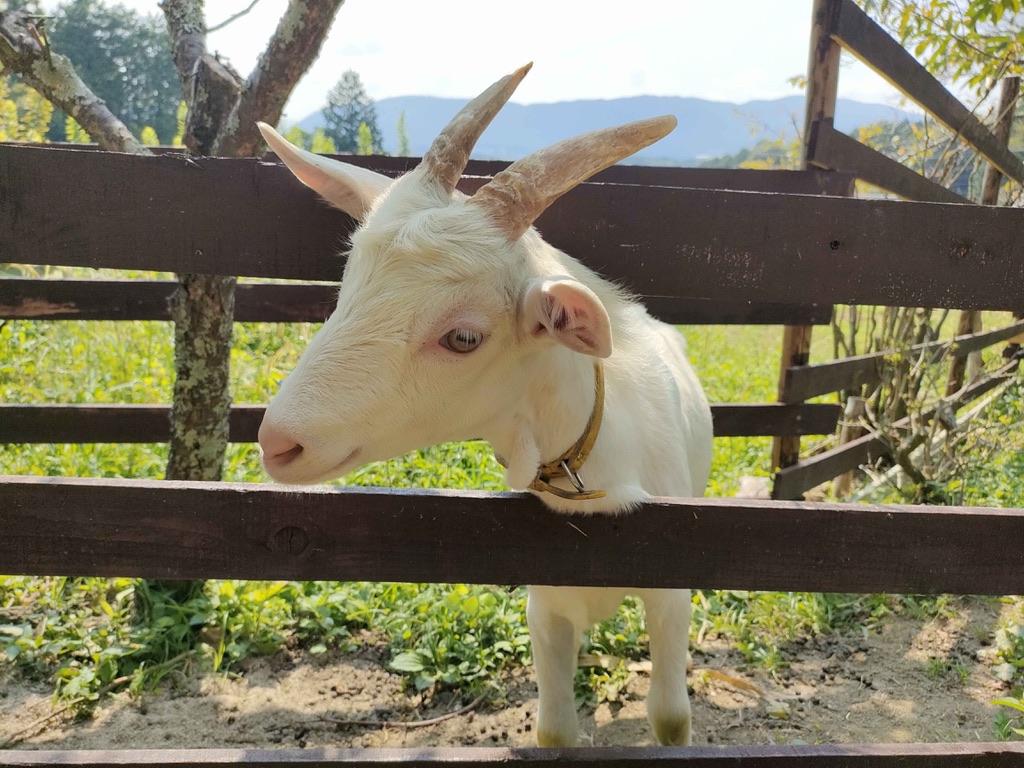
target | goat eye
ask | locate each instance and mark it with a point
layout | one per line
(461, 340)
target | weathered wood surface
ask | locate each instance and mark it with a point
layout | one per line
(162, 213)
(42, 299)
(835, 150)
(792, 482)
(857, 33)
(184, 530)
(105, 423)
(807, 381)
(980, 755)
(822, 89)
(811, 182)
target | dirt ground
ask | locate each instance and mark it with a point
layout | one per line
(913, 680)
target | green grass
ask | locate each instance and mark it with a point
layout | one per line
(89, 636)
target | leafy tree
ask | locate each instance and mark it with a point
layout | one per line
(322, 144)
(149, 137)
(298, 137)
(24, 114)
(404, 147)
(74, 133)
(975, 42)
(180, 119)
(348, 107)
(125, 57)
(365, 141)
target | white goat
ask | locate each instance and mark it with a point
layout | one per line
(455, 320)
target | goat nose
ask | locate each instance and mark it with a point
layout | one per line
(279, 448)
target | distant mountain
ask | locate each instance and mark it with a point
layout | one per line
(706, 128)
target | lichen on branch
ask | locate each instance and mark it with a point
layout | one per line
(24, 50)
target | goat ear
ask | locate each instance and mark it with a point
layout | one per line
(570, 313)
(346, 187)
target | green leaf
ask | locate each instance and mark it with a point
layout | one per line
(411, 661)
(1014, 703)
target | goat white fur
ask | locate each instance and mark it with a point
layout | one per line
(455, 320)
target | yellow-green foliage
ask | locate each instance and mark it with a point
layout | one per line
(322, 144)
(149, 137)
(24, 114)
(73, 132)
(179, 136)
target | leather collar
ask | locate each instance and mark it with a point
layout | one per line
(569, 463)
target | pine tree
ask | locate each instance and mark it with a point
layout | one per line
(348, 107)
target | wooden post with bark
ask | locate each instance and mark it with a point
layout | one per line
(970, 320)
(222, 114)
(822, 86)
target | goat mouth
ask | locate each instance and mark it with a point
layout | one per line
(292, 475)
(343, 466)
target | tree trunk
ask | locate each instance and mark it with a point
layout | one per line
(203, 311)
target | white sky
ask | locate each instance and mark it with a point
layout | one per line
(729, 50)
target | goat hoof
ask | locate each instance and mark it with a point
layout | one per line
(672, 732)
(554, 739)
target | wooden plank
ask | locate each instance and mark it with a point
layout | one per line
(810, 182)
(42, 299)
(792, 482)
(239, 216)
(770, 419)
(973, 755)
(857, 33)
(149, 423)
(108, 423)
(186, 530)
(822, 89)
(835, 150)
(807, 381)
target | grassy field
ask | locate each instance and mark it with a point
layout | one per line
(90, 636)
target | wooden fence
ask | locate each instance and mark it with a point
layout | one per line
(840, 25)
(699, 246)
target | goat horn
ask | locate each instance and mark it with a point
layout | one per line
(516, 196)
(448, 155)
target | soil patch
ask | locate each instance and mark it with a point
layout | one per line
(923, 681)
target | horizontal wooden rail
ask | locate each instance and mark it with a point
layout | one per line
(811, 182)
(149, 423)
(792, 482)
(833, 149)
(43, 299)
(979, 755)
(859, 34)
(806, 381)
(181, 530)
(243, 217)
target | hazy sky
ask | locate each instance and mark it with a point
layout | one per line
(728, 51)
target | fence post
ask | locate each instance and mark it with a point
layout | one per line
(970, 320)
(822, 85)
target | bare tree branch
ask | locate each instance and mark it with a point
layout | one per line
(232, 18)
(25, 51)
(186, 25)
(293, 48)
